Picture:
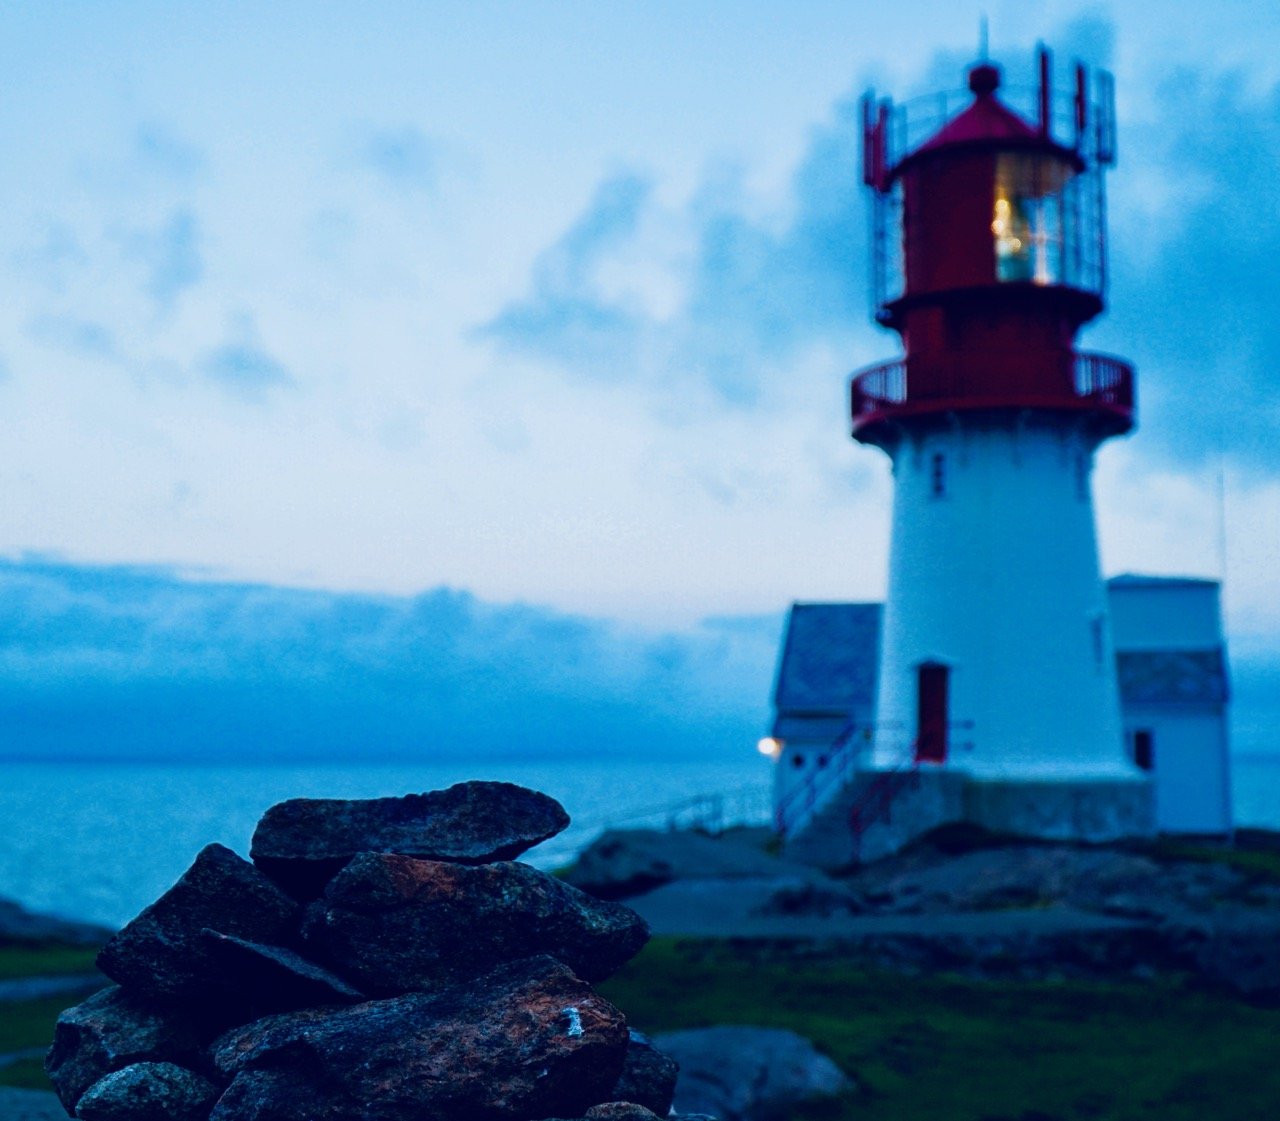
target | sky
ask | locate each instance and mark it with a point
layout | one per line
(483, 365)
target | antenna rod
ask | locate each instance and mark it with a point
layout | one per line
(983, 44)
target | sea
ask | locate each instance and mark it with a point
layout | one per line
(99, 841)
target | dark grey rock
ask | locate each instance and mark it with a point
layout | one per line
(19, 925)
(162, 953)
(622, 863)
(622, 1111)
(111, 1030)
(395, 922)
(275, 979)
(528, 1039)
(149, 1092)
(748, 1073)
(304, 841)
(648, 1076)
(1237, 949)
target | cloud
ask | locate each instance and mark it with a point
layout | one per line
(1196, 268)
(160, 150)
(112, 662)
(171, 257)
(80, 336)
(403, 157)
(242, 365)
(751, 290)
(565, 316)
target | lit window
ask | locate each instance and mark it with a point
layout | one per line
(1028, 216)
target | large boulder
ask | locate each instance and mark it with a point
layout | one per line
(648, 1076)
(528, 1039)
(149, 1092)
(111, 1030)
(748, 1073)
(163, 953)
(304, 841)
(394, 922)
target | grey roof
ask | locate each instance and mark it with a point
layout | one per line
(830, 656)
(1140, 580)
(1173, 676)
(824, 728)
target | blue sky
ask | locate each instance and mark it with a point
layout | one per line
(543, 312)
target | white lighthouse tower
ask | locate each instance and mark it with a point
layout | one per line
(997, 699)
(997, 658)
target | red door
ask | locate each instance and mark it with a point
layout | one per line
(931, 712)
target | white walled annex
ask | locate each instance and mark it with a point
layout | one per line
(1171, 663)
(993, 572)
(1190, 765)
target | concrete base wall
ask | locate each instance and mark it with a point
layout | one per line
(931, 798)
(1081, 810)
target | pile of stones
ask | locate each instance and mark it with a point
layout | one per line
(382, 960)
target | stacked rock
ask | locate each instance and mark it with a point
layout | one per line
(385, 960)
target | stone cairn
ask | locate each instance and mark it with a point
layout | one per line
(378, 960)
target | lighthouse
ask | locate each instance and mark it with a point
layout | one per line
(996, 696)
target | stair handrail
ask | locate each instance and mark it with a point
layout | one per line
(877, 799)
(818, 781)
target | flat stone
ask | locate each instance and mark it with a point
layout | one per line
(648, 1076)
(111, 1030)
(304, 841)
(393, 923)
(748, 1073)
(149, 1092)
(528, 1039)
(162, 953)
(279, 979)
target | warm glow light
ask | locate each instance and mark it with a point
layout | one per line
(770, 747)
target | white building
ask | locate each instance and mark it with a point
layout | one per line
(1169, 668)
(1004, 693)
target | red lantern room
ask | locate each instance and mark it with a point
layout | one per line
(990, 253)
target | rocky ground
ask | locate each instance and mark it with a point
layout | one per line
(976, 905)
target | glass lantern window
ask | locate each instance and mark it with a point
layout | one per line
(1032, 221)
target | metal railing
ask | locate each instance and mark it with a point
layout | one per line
(1098, 380)
(875, 803)
(803, 799)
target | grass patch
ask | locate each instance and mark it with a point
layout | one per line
(44, 960)
(950, 1049)
(1264, 863)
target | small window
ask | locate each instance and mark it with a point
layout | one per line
(938, 475)
(1096, 639)
(822, 761)
(1144, 753)
(797, 760)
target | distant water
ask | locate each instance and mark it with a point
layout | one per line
(99, 841)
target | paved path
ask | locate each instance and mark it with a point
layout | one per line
(30, 1105)
(726, 908)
